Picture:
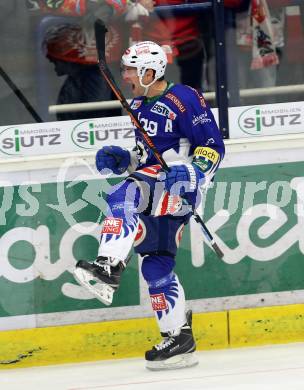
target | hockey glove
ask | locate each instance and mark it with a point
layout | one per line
(113, 157)
(182, 179)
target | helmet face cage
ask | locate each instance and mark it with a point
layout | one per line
(146, 55)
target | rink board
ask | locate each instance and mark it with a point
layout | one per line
(99, 341)
(50, 219)
(266, 325)
(131, 338)
(47, 225)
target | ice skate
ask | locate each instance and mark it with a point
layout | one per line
(175, 351)
(100, 277)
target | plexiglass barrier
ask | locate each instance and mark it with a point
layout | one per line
(239, 52)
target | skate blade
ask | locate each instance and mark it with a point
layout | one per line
(103, 292)
(175, 362)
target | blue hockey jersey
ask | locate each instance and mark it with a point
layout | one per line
(178, 121)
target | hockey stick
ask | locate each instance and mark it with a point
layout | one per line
(20, 95)
(100, 31)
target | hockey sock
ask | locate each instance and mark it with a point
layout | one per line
(120, 226)
(168, 302)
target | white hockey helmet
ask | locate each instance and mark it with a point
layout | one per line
(146, 55)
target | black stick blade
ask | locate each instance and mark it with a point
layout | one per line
(100, 36)
(217, 250)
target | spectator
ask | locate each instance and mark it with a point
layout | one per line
(71, 47)
(180, 37)
(74, 55)
(258, 54)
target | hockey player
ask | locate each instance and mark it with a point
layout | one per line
(153, 204)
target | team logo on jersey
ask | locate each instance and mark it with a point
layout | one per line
(162, 109)
(202, 118)
(136, 104)
(176, 101)
(208, 153)
(141, 233)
